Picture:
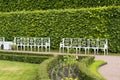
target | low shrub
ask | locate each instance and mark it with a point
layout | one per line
(82, 68)
(61, 57)
(88, 60)
(23, 57)
(18, 53)
(44, 67)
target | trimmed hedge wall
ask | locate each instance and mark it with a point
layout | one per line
(103, 22)
(24, 57)
(26, 54)
(18, 5)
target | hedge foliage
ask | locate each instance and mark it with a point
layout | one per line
(103, 22)
(24, 57)
(18, 5)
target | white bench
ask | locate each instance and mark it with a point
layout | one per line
(103, 45)
(86, 44)
(32, 42)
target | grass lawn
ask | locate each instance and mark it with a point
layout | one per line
(17, 70)
(94, 67)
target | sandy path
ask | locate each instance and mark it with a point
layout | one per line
(111, 71)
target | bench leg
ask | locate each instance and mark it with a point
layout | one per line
(67, 50)
(24, 48)
(49, 48)
(34, 48)
(31, 48)
(79, 50)
(85, 51)
(0, 46)
(107, 51)
(97, 51)
(38, 49)
(21, 47)
(94, 51)
(76, 50)
(104, 51)
(42, 48)
(17, 47)
(45, 49)
(59, 49)
(88, 50)
(63, 49)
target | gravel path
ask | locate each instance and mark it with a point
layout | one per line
(111, 71)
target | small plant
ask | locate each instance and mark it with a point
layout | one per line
(69, 60)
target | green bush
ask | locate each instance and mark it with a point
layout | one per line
(81, 66)
(23, 57)
(87, 60)
(44, 67)
(81, 58)
(22, 5)
(100, 22)
(86, 74)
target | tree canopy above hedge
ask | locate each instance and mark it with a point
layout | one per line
(30, 5)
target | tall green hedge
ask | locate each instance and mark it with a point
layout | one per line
(18, 5)
(103, 22)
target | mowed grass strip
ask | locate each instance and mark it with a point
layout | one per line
(94, 67)
(17, 70)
